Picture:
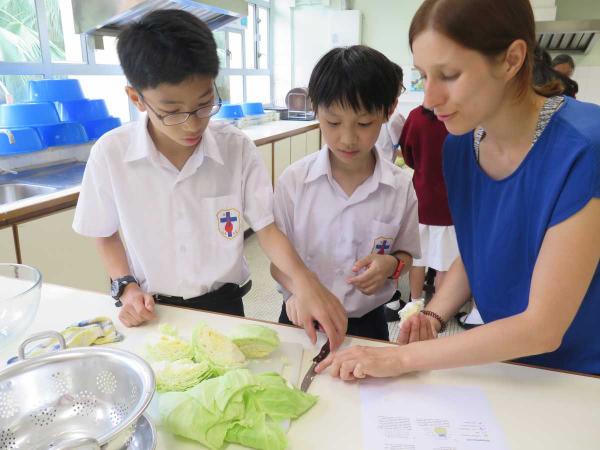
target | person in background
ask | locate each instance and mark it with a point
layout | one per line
(387, 142)
(164, 197)
(545, 75)
(564, 65)
(350, 213)
(421, 142)
(522, 170)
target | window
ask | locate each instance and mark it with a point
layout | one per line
(65, 45)
(243, 47)
(19, 37)
(38, 40)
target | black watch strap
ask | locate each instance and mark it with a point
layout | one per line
(118, 286)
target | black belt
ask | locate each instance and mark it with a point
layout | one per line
(227, 292)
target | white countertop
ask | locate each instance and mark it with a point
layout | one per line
(275, 128)
(536, 409)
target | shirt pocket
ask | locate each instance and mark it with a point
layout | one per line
(223, 220)
(380, 238)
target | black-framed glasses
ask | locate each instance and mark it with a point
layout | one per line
(181, 117)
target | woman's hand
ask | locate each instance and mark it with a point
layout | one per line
(417, 328)
(361, 362)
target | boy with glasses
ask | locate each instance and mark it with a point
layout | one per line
(176, 187)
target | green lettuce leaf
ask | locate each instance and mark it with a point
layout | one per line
(180, 375)
(237, 407)
(210, 345)
(255, 341)
(168, 346)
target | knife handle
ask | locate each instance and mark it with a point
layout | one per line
(323, 353)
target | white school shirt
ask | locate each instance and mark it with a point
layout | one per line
(332, 231)
(182, 229)
(389, 136)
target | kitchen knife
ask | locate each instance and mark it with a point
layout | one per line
(311, 371)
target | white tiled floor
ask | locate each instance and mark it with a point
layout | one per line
(264, 302)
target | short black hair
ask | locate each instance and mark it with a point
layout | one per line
(563, 59)
(167, 46)
(358, 76)
(400, 74)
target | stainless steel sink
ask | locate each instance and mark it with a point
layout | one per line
(12, 192)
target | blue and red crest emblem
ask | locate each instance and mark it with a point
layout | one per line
(382, 245)
(228, 221)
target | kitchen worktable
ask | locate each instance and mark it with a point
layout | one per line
(536, 409)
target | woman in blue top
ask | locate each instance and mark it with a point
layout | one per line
(522, 168)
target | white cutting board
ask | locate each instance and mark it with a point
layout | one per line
(286, 361)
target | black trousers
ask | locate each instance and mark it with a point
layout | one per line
(372, 325)
(227, 300)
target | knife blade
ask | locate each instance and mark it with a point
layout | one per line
(310, 374)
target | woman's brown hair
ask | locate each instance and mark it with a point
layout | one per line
(486, 26)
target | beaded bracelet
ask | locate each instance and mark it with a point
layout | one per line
(437, 317)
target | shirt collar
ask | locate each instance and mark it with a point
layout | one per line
(142, 146)
(320, 167)
(383, 172)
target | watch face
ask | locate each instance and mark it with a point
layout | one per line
(114, 289)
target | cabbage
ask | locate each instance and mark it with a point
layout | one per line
(237, 407)
(218, 350)
(255, 341)
(180, 375)
(168, 346)
(411, 308)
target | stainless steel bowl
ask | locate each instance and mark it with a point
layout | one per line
(87, 397)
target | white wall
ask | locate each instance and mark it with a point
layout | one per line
(281, 17)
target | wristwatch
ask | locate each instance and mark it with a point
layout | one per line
(399, 268)
(118, 286)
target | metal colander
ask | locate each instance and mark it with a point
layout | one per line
(87, 397)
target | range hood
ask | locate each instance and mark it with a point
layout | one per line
(567, 36)
(109, 17)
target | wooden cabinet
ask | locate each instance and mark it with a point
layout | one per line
(297, 147)
(312, 141)
(8, 253)
(63, 256)
(281, 157)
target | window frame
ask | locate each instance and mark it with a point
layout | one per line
(244, 71)
(49, 69)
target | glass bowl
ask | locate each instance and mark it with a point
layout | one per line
(20, 287)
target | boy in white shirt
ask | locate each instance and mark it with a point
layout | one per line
(177, 187)
(351, 214)
(389, 136)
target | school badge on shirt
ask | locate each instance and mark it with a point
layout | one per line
(228, 221)
(382, 245)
